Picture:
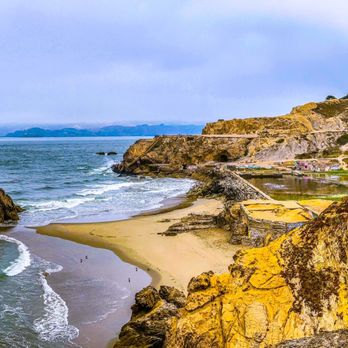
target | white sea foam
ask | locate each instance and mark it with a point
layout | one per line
(100, 189)
(21, 262)
(53, 325)
(135, 194)
(62, 204)
(103, 169)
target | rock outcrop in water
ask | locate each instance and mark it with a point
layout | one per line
(8, 209)
(311, 130)
(295, 287)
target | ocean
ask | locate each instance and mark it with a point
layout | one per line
(62, 180)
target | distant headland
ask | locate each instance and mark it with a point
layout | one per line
(138, 130)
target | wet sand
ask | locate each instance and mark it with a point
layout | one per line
(96, 290)
(169, 260)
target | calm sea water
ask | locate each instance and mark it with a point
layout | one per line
(59, 180)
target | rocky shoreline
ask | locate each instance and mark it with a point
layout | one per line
(286, 286)
(290, 291)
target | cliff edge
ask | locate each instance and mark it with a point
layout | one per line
(313, 130)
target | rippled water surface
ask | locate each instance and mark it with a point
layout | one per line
(60, 180)
(56, 179)
(321, 186)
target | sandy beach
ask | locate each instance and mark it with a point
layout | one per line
(170, 260)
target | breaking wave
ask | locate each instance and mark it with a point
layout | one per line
(21, 262)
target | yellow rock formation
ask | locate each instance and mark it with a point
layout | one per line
(292, 288)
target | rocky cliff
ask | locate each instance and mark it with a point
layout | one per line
(330, 115)
(311, 130)
(8, 209)
(175, 154)
(295, 287)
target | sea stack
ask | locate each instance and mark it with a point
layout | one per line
(8, 209)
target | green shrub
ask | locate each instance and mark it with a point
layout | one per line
(343, 139)
(330, 97)
(331, 152)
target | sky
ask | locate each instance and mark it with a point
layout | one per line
(137, 61)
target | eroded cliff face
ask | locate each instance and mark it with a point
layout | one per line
(309, 130)
(8, 209)
(295, 287)
(173, 154)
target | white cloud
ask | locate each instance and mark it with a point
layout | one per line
(168, 60)
(332, 14)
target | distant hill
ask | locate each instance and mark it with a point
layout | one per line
(139, 130)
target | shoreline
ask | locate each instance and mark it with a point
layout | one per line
(136, 241)
(102, 327)
(102, 275)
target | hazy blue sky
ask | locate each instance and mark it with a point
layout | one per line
(111, 61)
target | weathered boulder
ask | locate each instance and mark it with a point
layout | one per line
(201, 282)
(150, 315)
(146, 299)
(8, 209)
(172, 295)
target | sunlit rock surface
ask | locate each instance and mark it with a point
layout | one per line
(295, 287)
